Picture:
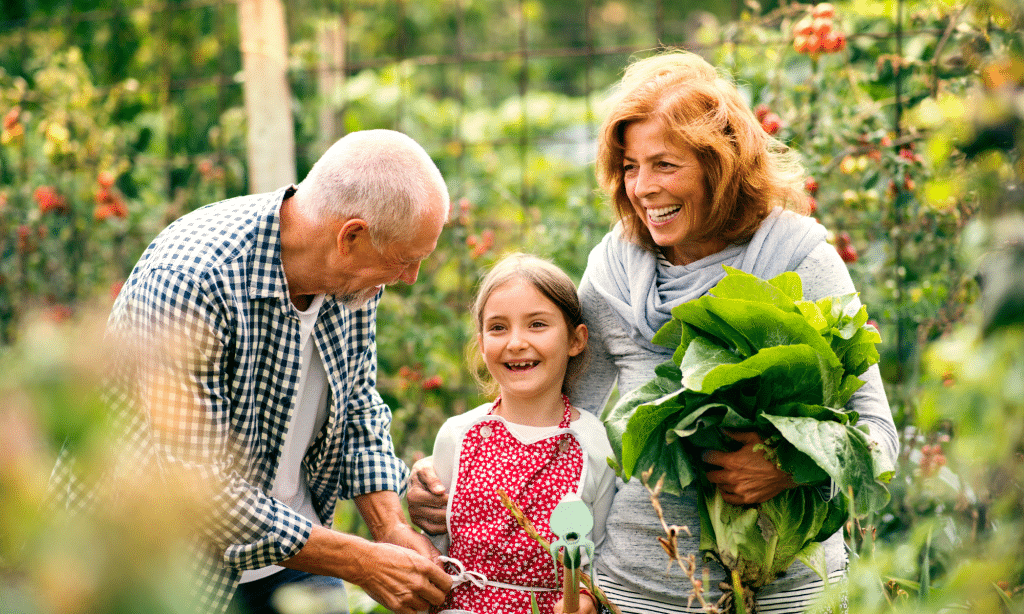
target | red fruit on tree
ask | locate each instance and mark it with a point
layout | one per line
(833, 42)
(105, 179)
(103, 212)
(845, 248)
(760, 111)
(49, 199)
(811, 185)
(813, 44)
(822, 26)
(804, 27)
(813, 203)
(771, 123)
(11, 118)
(824, 9)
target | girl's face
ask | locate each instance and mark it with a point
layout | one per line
(525, 341)
(665, 185)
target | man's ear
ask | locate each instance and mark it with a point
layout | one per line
(349, 234)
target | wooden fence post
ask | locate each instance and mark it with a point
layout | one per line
(268, 105)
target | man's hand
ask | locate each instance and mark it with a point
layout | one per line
(400, 579)
(407, 537)
(427, 499)
(746, 477)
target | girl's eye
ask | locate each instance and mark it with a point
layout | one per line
(538, 324)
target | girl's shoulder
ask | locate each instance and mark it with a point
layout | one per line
(467, 418)
(590, 428)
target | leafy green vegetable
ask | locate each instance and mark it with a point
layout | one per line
(754, 355)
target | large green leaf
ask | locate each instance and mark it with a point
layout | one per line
(702, 356)
(764, 326)
(663, 386)
(695, 314)
(791, 373)
(845, 454)
(780, 292)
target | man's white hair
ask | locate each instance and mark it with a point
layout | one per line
(383, 177)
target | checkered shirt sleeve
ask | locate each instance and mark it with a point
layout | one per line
(183, 383)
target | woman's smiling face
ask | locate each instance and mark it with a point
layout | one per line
(665, 185)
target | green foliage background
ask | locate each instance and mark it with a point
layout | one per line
(911, 133)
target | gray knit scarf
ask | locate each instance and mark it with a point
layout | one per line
(643, 292)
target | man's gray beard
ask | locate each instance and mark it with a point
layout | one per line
(356, 300)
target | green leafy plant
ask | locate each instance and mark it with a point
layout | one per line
(753, 355)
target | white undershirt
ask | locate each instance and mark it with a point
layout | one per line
(308, 417)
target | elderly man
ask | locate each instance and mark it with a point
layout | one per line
(273, 403)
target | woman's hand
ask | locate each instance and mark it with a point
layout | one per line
(426, 498)
(746, 476)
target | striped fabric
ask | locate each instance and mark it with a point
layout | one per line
(800, 600)
(206, 378)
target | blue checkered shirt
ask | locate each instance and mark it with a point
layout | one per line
(214, 280)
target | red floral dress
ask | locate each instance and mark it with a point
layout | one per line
(486, 538)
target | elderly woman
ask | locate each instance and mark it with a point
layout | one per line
(696, 184)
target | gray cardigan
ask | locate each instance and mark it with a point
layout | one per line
(631, 553)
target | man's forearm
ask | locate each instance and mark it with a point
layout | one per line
(330, 553)
(382, 512)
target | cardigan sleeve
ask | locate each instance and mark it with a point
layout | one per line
(594, 387)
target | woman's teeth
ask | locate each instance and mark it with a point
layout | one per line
(662, 214)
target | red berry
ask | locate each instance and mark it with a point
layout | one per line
(804, 27)
(432, 383)
(811, 185)
(761, 111)
(833, 42)
(11, 118)
(50, 200)
(105, 179)
(813, 203)
(824, 10)
(813, 44)
(771, 123)
(102, 212)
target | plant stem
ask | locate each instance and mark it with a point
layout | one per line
(737, 593)
(531, 531)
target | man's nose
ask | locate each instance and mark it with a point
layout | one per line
(410, 273)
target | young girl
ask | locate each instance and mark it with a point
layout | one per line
(530, 442)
